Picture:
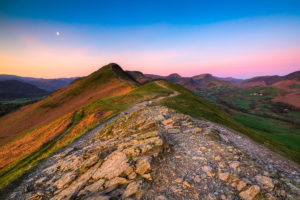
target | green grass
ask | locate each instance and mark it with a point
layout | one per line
(125, 101)
(268, 92)
(190, 104)
(242, 103)
(20, 100)
(7, 106)
(281, 132)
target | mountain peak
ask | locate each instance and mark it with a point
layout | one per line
(202, 76)
(107, 81)
(174, 75)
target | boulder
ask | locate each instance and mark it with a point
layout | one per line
(234, 165)
(114, 165)
(265, 181)
(98, 197)
(65, 179)
(208, 170)
(143, 165)
(250, 193)
(75, 186)
(132, 189)
(168, 121)
(223, 176)
(241, 185)
(93, 188)
(116, 181)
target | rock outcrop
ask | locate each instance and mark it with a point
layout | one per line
(155, 153)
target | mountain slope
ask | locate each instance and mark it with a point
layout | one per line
(77, 109)
(103, 83)
(230, 80)
(139, 77)
(269, 80)
(45, 84)
(16, 89)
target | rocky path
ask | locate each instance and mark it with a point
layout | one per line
(155, 153)
(203, 165)
(262, 155)
(152, 152)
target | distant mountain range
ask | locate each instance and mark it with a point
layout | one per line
(13, 89)
(42, 83)
(269, 80)
(39, 87)
(208, 80)
(194, 82)
(202, 80)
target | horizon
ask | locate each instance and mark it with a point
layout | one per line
(51, 39)
(157, 74)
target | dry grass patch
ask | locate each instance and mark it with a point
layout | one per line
(32, 140)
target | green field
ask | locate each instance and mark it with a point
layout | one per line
(276, 130)
(7, 106)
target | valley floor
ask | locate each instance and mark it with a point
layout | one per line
(152, 152)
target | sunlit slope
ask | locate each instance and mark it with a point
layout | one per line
(25, 151)
(108, 81)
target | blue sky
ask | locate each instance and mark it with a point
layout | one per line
(227, 38)
(142, 12)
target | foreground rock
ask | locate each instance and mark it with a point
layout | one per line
(155, 153)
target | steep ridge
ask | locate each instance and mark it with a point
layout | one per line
(139, 77)
(152, 152)
(103, 83)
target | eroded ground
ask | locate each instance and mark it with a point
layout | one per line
(157, 153)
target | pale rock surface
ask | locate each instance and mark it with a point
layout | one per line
(265, 181)
(250, 193)
(136, 156)
(113, 166)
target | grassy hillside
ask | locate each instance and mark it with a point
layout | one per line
(103, 83)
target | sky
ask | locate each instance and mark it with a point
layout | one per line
(70, 38)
